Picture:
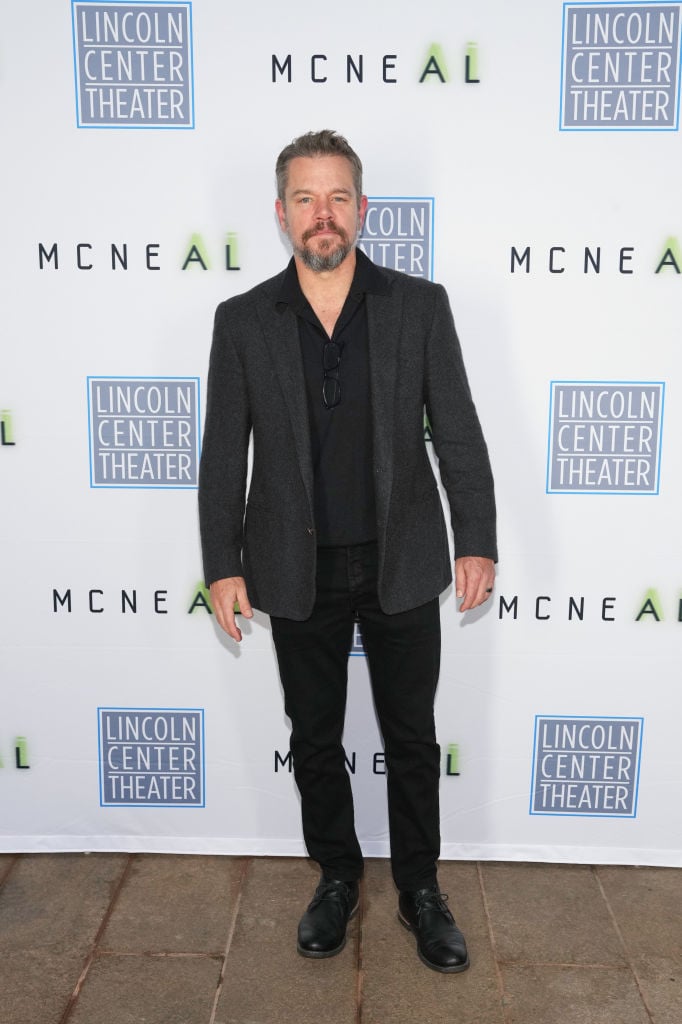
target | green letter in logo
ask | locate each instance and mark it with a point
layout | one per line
(231, 254)
(435, 64)
(21, 752)
(201, 599)
(6, 434)
(651, 606)
(671, 257)
(471, 64)
(452, 760)
(197, 253)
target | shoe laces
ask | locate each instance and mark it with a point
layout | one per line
(331, 890)
(431, 899)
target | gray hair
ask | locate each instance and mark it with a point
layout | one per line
(324, 143)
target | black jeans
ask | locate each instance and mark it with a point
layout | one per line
(403, 652)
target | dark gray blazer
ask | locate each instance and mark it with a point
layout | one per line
(256, 387)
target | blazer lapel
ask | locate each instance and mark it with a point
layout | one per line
(282, 340)
(384, 321)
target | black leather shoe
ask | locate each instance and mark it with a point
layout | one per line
(440, 943)
(322, 929)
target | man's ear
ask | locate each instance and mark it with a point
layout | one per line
(281, 214)
(362, 210)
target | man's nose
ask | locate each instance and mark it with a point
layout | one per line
(324, 210)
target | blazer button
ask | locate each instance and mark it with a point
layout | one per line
(311, 531)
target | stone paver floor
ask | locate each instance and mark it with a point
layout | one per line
(164, 939)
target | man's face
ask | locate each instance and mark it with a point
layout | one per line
(321, 213)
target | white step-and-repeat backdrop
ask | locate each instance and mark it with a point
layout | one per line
(525, 155)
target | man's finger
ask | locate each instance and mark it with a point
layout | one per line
(225, 594)
(474, 579)
(244, 604)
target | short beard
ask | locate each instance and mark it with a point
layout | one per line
(321, 261)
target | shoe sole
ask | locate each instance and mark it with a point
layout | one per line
(314, 954)
(428, 963)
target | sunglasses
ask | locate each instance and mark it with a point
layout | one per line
(331, 385)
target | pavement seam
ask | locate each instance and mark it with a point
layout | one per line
(563, 964)
(628, 956)
(150, 954)
(248, 861)
(89, 960)
(8, 870)
(493, 945)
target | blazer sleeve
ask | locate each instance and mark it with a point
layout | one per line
(458, 439)
(224, 457)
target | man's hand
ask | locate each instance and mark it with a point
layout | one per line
(474, 579)
(224, 594)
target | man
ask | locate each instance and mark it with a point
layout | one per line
(329, 368)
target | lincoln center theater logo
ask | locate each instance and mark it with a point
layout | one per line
(144, 431)
(151, 757)
(398, 233)
(133, 64)
(588, 767)
(604, 437)
(621, 67)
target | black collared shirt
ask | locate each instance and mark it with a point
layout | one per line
(341, 438)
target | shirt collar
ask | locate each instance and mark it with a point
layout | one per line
(367, 280)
